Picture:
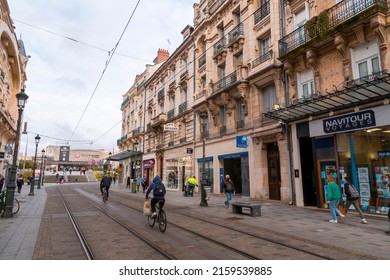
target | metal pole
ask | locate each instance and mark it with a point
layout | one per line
(40, 174)
(33, 173)
(203, 201)
(43, 172)
(9, 199)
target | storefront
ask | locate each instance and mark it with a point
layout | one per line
(356, 145)
(177, 171)
(148, 166)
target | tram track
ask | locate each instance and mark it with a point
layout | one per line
(234, 230)
(87, 248)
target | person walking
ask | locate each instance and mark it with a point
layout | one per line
(20, 183)
(128, 182)
(353, 197)
(333, 196)
(144, 184)
(228, 188)
(138, 182)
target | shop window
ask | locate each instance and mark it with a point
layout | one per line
(208, 174)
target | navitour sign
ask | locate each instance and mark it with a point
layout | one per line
(373, 117)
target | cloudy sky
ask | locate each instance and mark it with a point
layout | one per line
(70, 43)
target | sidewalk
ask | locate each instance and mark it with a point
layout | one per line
(18, 234)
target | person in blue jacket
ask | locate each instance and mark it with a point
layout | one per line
(159, 191)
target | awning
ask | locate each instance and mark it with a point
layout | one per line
(123, 155)
(364, 90)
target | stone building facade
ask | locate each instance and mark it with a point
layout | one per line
(13, 61)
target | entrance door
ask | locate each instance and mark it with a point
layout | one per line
(273, 160)
(326, 168)
(245, 176)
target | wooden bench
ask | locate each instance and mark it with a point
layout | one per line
(255, 208)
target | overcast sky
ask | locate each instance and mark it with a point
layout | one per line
(69, 43)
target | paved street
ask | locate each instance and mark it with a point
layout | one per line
(18, 235)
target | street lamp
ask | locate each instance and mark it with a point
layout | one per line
(9, 199)
(42, 169)
(203, 201)
(37, 138)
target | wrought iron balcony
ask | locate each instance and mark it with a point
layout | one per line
(183, 107)
(219, 46)
(236, 33)
(240, 124)
(225, 82)
(171, 114)
(141, 85)
(125, 102)
(222, 129)
(171, 143)
(262, 12)
(324, 24)
(261, 59)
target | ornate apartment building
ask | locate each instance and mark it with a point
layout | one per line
(13, 61)
(279, 95)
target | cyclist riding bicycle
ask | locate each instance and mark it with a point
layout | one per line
(105, 183)
(159, 191)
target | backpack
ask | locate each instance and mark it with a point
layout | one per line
(353, 192)
(159, 190)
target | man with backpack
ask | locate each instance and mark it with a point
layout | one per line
(353, 197)
(159, 191)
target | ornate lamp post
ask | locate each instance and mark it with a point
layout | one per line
(203, 201)
(42, 169)
(37, 138)
(9, 199)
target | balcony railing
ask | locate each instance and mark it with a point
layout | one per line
(219, 46)
(240, 124)
(125, 102)
(236, 33)
(171, 114)
(225, 82)
(171, 143)
(261, 59)
(202, 60)
(222, 129)
(262, 12)
(216, 5)
(325, 22)
(183, 107)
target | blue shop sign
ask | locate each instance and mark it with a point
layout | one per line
(241, 141)
(384, 154)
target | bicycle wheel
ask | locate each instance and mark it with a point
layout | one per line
(104, 197)
(162, 221)
(16, 206)
(151, 221)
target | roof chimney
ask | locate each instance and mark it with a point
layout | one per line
(162, 55)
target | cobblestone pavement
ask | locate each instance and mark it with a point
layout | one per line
(18, 235)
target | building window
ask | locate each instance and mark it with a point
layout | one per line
(305, 83)
(269, 97)
(365, 59)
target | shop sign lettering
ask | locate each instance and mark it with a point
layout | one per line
(384, 154)
(353, 121)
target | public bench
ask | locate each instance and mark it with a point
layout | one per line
(254, 207)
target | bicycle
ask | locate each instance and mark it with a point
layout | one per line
(15, 207)
(160, 218)
(105, 195)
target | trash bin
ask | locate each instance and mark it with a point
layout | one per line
(134, 187)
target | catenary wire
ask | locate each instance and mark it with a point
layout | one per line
(105, 67)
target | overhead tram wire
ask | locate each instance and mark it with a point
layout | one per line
(78, 41)
(111, 54)
(94, 141)
(62, 140)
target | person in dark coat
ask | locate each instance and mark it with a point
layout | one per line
(20, 183)
(158, 189)
(105, 183)
(128, 182)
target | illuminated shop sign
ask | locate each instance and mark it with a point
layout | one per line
(384, 154)
(353, 121)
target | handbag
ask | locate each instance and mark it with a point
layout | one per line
(146, 210)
